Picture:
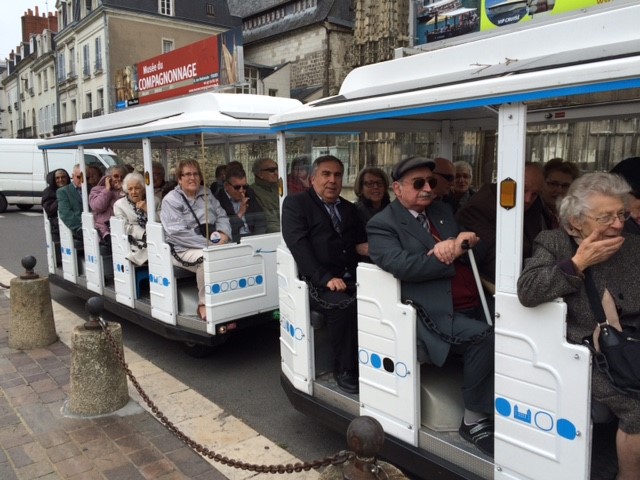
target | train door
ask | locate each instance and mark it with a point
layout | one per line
(542, 395)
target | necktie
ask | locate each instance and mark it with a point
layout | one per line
(422, 218)
(334, 217)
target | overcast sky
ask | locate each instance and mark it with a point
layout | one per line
(10, 24)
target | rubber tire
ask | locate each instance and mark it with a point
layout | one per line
(197, 350)
(24, 207)
(3, 203)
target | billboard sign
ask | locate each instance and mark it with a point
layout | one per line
(210, 63)
(441, 19)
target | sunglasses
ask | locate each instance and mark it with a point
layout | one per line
(447, 176)
(270, 169)
(418, 183)
(238, 187)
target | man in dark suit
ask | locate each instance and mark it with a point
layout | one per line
(245, 214)
(70, 203)
(418, 240)
(325, 235)
(479, 215)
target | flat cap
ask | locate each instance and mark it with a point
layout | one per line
(403, 166)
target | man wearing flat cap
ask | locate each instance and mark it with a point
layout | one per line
(420, 243)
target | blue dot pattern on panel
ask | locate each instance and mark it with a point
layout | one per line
(235, 284)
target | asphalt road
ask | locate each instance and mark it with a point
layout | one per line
(242, 377)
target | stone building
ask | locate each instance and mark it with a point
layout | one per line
(29, 96)
(99, 37)
(313, 38)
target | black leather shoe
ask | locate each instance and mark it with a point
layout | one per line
(347, 381)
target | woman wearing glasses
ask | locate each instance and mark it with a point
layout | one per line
(102, 198)
(372, 190)
(558, 176)
(462, 191)
(193, 219)
(591, 241)
(132, 209)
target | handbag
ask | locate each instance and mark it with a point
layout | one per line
(619, 355)
(200, 229)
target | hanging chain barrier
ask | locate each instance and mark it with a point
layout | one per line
(314, 293)
(336, 459)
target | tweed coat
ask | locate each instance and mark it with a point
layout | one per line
(398, 244)
(543, 281)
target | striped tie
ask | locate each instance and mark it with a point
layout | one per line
(422, 218)
(334, 217)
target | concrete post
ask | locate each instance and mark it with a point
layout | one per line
(365, 437)
(31, 321)
(98, 383)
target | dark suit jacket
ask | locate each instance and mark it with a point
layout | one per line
(479, 215)
(398, 244)
(70, 207)
(255, 217)
(319, 251)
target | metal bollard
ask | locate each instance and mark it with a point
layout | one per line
(32, 324)
(98, 383)
(365, 438)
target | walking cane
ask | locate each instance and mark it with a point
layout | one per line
(476, 276)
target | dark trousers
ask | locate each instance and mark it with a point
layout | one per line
(478, 363)
(343, 328)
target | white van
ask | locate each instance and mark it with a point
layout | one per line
(23, 170)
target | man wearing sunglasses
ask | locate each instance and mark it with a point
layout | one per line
(445, 175)
(418, 240)
(265, 187)
(237, 199)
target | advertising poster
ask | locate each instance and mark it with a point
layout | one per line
(210, 63)
(441, 19)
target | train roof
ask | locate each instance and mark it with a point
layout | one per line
(523, 65)
(211, 114)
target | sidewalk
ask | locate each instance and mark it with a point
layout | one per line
(37, 441)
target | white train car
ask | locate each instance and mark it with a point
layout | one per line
(583, 68)
(241, 284)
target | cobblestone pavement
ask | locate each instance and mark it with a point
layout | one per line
(38, 442)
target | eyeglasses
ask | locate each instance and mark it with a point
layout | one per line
(419, 183)
(78, 176)
(374, 184)
(610, 219)
(238, 187)
(563, 186)
(447, 176)
(190, 174)
(270, 169)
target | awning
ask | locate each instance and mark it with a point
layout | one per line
(456, 12)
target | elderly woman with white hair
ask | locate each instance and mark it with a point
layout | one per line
(132, 208)
(591, 242)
